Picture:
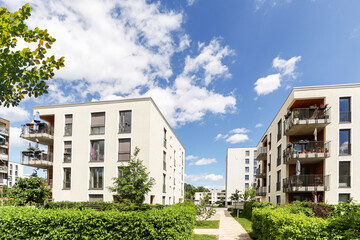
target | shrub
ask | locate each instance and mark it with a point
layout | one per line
(172, 222)
(345, 226)
(249, 206)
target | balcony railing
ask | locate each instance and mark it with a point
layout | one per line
(3, 181)
(261, 153)
(261, 191)
(3, 169)
(40, 132)
(4, 131)
(278, 186)
(306, 183)
(4, 144)
(303, 116)
(38, 160)
(306, 149)
(164, 188)
(261, 172)
(4, 156)
(344, 181)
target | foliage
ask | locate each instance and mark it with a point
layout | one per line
(24, 71)
(207, 224)
(134, 182)
(249, 206)
(29, 190)
(173, 222)
(203, 237)
(4, 191)
(248, 195)
(235, 196)
(206, 198)
(346, 226)
(205, 212)
(190, 190)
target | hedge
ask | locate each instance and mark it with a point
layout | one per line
(173, 222)
(249, 206)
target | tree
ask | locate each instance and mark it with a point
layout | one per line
(249, 195)
(24, 72)
(190, 190)
(236, 198)
(204, 212)
(29, 190)
(133, 182)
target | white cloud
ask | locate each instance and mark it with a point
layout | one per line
(221, 136)
(206, 177)
(123, 48)
(239, 130)
(259, 125)
(355, 33)
(190, 2)
(268, 84)
(191, 157)
(15, 140)
(237, 138)
(286, 67)
(14, 114)
(203, 161)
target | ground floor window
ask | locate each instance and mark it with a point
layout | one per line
(344, 197)
(96, 197)
(278, 200)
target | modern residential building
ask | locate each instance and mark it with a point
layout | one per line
(89, 143)
(16, 171)
(214, 196)
(309, 151)
(240, 170)
(4, 151)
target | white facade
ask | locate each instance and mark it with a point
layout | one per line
(319, 127)
(240, 170)
(214, 197)
(16, 170)
(4, 151)
(91, 141)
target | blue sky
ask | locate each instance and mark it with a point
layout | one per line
(218, 69)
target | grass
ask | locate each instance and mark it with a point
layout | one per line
(207, 224)
(245, 222)
(203, 237)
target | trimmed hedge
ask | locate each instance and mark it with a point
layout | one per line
(172, 222)
(249, 206)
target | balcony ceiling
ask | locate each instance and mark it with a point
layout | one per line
(305, 103)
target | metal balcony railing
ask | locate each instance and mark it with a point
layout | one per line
(261, 172)
(311, 115)
(33, 157)
(306, 149)
(303, 183)
(344, 181)
(4, 130)
(261, 191)
(36, 129)
(261, 153)
(3, 169)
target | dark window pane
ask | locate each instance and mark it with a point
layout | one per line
(345, 111)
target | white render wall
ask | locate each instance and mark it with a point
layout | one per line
(332, 95)
(147, 129)
(235, 170)
(214, 196)
(12, 176)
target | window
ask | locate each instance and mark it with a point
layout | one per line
(68, 124)
(247, 153)
(255, 170)
(120, 171)
(124, 149)
(268, 199)
(255, 162)
(344, 197)
(247, 161)
(96, 177)
(345, 110)
(182, 157)
(174, 158)
(67, 151)
(269, 164)
(278, 160)
(97, 151)
(345, 143)
(163, 200)
(182, 174)
(164, 160)
(164, 183)
(269, 183)
(67, 178)
(279, 130)
(125, 122)
(96, 197)
(165, 138)
(344, 174)
(247, 169)
(246, 177)
(278, 180)
(269, 143)
(278, 200)
(246, 185)
(255, 153)
(98, 123)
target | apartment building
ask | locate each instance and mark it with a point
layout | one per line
(310, 150)
(214, 196)
(4, 151)
(241, 169)
(16, 171)
(88, 144)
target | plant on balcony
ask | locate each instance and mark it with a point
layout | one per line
(296, 114)
(323, 106)
(313, 107)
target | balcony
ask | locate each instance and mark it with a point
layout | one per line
(303, 121)
(4, 156)
(40, 132)
(37, 159)
(4, 131)
(261, 172)
(261, 191)
(3, 169)
(3, 181)
(309, 151)
(4, 144)
(306, 183)
(261, 153)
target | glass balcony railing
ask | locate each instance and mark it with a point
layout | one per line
(306, 149)
(261, 153)
(261, 191)
(261, 172)
(306, 183)
(3, 169)
(4, 131)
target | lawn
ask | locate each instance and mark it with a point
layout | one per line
(245, 222)
(203, 237)
(207, 224)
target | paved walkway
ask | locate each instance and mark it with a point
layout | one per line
(229, 228)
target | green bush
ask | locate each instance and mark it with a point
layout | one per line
(346, 226)
(249, 206)
(172, 222)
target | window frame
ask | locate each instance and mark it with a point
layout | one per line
(120, 121)
(97, 178)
